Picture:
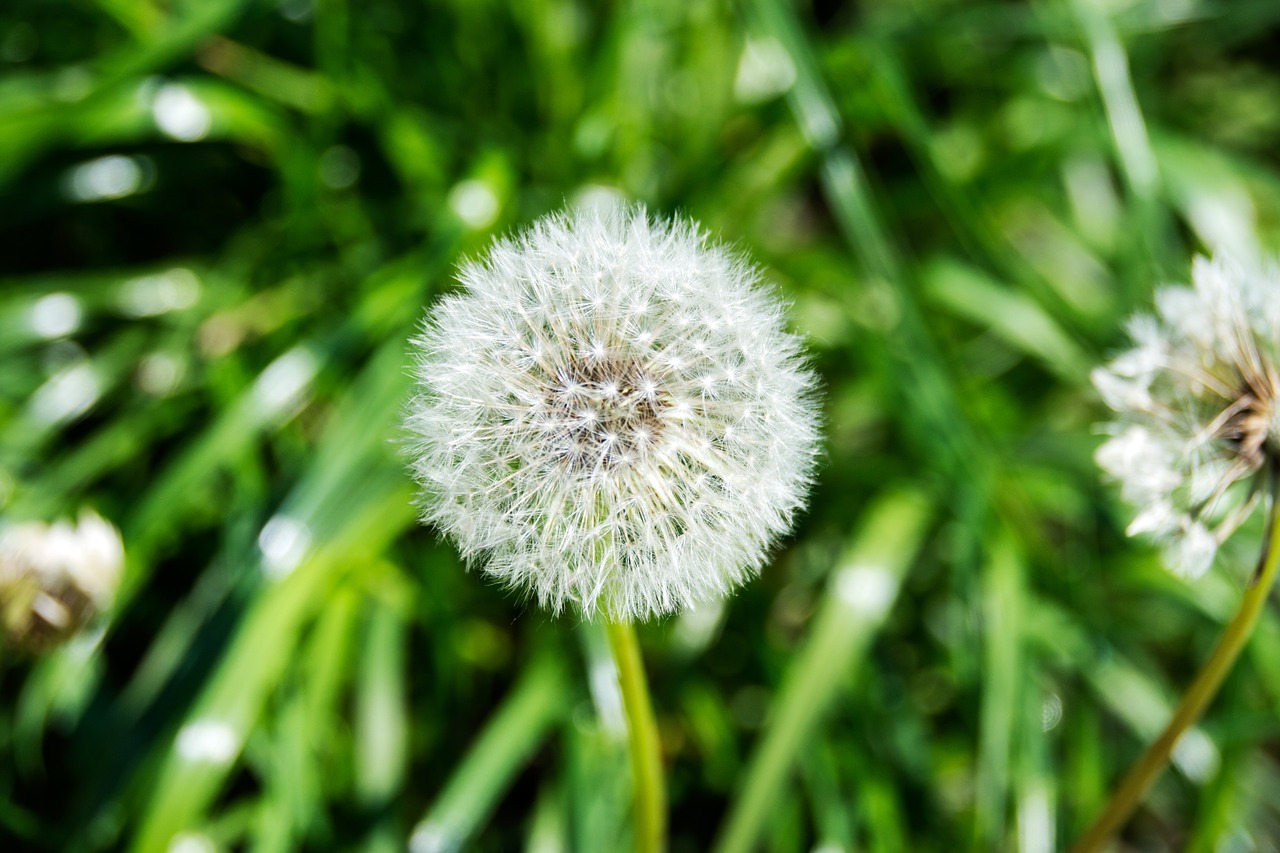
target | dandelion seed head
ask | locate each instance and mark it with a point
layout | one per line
(1197, 402)
(55, 578)
(611, 416)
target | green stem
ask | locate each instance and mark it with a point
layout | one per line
(1198, 696)
(642, 737)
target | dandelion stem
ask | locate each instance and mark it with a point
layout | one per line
(642, 737)
(1198, 696)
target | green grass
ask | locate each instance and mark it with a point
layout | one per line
(961, 201)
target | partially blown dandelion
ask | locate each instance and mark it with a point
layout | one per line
(1198, 399)
(1198, 403)
(611, 416)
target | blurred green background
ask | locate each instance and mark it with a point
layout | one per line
(221, 220)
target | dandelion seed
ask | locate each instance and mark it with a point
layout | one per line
(571, 435)
(1198, 405)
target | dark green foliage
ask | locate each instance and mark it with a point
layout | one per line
(252, 204)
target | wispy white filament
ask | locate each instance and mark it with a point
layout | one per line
(1196, 403)
(611, 415)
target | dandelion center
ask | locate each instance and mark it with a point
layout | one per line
(1249, 422)
(604, 413)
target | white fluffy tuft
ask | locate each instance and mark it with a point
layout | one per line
(56, 578)
(611, 416)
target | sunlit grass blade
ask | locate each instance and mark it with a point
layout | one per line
(863, 587)
(1115, 83)
(548, 828)
(227, 712)
(511, 735)
(382, 724)
(1034, 776)
(1002, 614)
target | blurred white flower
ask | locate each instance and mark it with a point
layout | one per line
(1196, 399)
(611, 415)
(55, 578)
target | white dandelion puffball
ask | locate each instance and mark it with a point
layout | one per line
(1197, 409)
(56, 578)
(611, 416)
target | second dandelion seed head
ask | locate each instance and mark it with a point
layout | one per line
(611, 415)
(55, 579)
(1198, 409)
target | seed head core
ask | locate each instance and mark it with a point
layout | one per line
(605, 413)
